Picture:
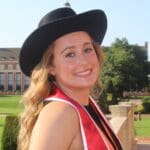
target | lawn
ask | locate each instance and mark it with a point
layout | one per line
(142, 126)
(9, 104)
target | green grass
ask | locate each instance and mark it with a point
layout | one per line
(144, 97)
(142, 127)
(10, 104)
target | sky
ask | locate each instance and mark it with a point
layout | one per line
(128, 19)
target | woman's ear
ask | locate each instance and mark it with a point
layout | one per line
(51, 70)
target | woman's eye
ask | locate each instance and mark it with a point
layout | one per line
(88, 50)
(71, 54)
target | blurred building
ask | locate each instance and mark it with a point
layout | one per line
(11, 78)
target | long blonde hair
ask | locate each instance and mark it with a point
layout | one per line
(39, 88)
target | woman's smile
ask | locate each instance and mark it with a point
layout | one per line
(84, 73)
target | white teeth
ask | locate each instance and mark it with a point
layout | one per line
(84, 73)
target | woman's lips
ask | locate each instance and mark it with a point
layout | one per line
(84, 73)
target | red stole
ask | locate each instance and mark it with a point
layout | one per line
(92, 136)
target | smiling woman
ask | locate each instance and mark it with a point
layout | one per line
(63, 59)
(76, 59)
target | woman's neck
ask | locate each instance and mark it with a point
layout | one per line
(81, 95)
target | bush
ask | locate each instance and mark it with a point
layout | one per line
(10, 133)
(146, 105)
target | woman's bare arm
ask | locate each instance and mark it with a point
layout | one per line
(56, 127)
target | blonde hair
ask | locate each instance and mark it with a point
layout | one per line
(97, 88)
(32, 99)
(39, 88)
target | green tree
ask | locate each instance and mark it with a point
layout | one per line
(125, 66)
(141, 70)
(117, 65)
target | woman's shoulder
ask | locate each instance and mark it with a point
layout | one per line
(58, 113)
(58, 109)
(56, 120)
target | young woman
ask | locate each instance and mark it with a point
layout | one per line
(63, 59)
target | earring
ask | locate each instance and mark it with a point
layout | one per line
(51, 78)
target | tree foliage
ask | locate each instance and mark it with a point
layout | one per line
(125, 66)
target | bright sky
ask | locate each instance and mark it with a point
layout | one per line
(126, 18)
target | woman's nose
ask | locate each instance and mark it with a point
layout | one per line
(82, 59)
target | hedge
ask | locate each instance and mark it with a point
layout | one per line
(146, 105)
(10, 133)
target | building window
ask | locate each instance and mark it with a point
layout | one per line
(10, 81)
(10, 66)
(17, 67)
(26, 81)
(18, 81)
(1, 81)
(1, 67)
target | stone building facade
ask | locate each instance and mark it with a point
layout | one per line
(11, 78)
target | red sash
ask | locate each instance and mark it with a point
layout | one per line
(92, 136)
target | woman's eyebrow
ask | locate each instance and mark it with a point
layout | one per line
(87, 43)
(72, 47)
(69, 47)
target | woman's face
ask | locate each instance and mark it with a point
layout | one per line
(75, 63)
